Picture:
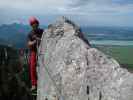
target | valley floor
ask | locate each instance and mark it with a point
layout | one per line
(123, 54)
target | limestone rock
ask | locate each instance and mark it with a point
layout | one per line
(70, 69)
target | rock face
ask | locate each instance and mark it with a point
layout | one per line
(70, 69)
(12, 84)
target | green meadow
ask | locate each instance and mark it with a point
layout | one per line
(123, 54)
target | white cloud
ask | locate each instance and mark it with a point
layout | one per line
(66, 6)
(32, 5)
(84, 11)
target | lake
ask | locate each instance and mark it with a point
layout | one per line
(112, 42)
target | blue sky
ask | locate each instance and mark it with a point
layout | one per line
(83, 12)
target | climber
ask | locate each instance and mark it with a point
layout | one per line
(34, 38)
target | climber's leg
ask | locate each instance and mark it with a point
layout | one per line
(33, 69)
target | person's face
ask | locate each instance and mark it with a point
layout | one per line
(35, 26)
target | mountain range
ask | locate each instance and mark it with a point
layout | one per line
(16, 34)
(13, 34)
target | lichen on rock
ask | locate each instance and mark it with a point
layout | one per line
(70, 69)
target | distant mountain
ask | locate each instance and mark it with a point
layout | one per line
(2, 41)
(16, 34)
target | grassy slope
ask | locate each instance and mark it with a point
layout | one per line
(123, 54)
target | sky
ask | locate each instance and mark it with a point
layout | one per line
(82, 12)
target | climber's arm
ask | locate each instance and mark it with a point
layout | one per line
(31, 43)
